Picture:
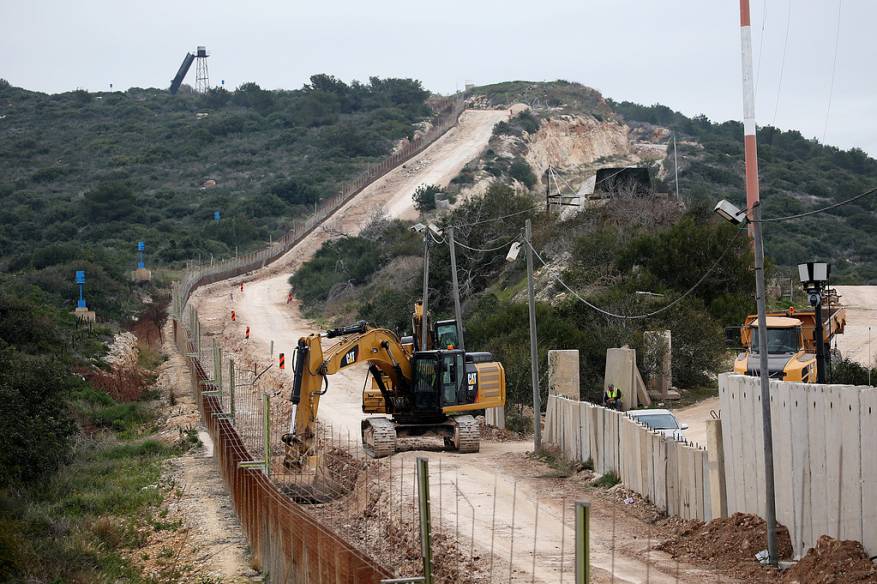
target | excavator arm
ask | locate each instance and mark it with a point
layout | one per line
(380, 348)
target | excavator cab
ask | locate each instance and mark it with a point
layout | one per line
(439, 381)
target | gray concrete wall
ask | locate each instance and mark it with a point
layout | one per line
(670, 474)
(825, 463)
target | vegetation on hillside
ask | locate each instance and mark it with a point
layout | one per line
(84, 176)
(796, 174)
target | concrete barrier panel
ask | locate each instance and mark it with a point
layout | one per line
(802, 529)
(851, 509)
(816, 439)
(584, 442)
(868, 417)
(781, 426)
(673, 505)
(706, 489)
(756, 423)
(659, 463)
(833, 459)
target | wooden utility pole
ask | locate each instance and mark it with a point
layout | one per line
(534, 353)
(458, 313)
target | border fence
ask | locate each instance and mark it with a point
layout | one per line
(285, 540)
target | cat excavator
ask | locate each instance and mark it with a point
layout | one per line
(421, 391)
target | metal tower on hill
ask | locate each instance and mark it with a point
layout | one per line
(202, 79)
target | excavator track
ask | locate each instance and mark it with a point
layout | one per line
(467, 434)
(378, 437)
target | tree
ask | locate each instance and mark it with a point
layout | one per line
(110, 201)
(424, 197)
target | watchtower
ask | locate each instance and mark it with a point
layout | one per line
(202, 79)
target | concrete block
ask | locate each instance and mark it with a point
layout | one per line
(868, 425)
(705, 488)
(659, 363)
(85, 314)
(141, 276)
(495, 417)
(644, 458)
(697, 457)
(563, 373)
(620, 364)
(716, 466)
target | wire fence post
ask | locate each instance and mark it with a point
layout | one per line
(231, 387)
(272, 348)
(583, 560)
(425, 529)
(266, 429)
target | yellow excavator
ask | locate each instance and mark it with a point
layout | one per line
(422, 391)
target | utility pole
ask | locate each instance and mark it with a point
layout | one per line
(458, 313)
(424, 328)
(675, 167)
(534, 353)
(750, 147)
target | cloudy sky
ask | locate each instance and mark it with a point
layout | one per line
(685, 54)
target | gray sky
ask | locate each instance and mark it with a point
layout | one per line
(684, 54)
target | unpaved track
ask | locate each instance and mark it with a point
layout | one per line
(861, 304)
(262, 306)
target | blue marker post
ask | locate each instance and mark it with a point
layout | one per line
(141, 274)
(82, 312)
(80, 281)
(216, 216)
(140, 247)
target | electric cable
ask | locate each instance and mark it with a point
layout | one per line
(816, 211)
(648, 314)
(497, 248)
(782, 65)
(833, 70)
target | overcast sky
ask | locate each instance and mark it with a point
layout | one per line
(685, 54)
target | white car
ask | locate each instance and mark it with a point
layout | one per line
(662, 421)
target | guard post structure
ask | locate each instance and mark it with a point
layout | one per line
(141, 275)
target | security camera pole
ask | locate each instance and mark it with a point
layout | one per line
(534, 352)
(424, 322)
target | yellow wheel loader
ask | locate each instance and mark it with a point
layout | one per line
(430, 392)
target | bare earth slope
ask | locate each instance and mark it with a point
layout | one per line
(263, 308)
(861, 303)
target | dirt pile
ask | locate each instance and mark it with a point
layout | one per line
(833, 561)
(728, 543)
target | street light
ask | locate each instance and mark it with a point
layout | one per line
(738, 217)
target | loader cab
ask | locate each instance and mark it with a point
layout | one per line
(440, 380)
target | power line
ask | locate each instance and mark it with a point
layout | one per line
(782, 64)
(527, 210)
(649, 314)
(833, 70)
(497, 248)
(822, 210)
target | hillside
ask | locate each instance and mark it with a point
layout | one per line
(85, 176)
(611, 252)
(797, 174)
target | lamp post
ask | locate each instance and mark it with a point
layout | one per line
(813, 276)
(735, 215)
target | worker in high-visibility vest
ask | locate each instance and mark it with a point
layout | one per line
(612, 398)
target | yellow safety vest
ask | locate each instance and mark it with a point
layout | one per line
(612, 393)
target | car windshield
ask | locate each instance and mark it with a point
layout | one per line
(780, 341)
(658, 421)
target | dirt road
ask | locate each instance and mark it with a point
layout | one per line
(696, 416)
(262, 306)
(861, 303)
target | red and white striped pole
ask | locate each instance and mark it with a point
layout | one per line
(754, 214)
(750, 146)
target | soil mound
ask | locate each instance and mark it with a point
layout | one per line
(833, 561)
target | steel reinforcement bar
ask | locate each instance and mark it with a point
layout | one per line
(285, 541)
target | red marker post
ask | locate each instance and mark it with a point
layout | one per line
(234, 316)
(247, 334)
(282, 361)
